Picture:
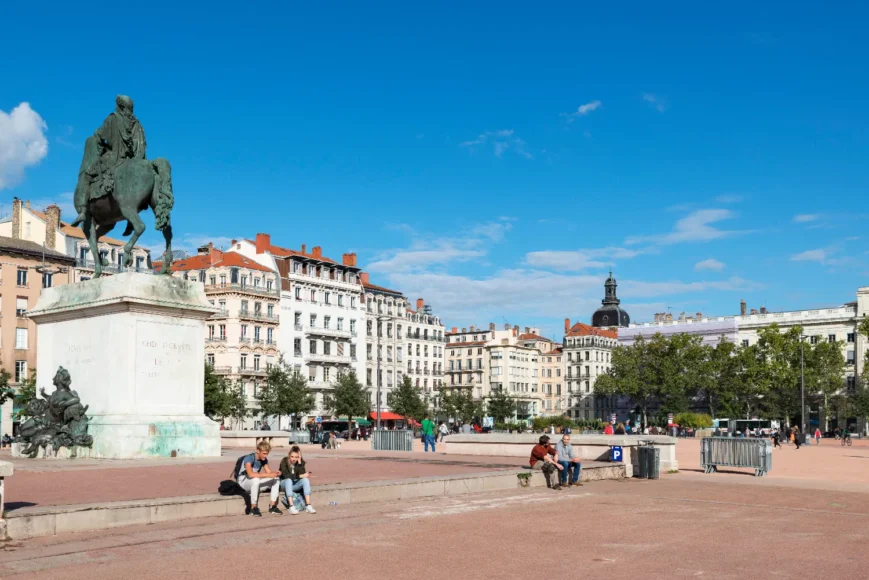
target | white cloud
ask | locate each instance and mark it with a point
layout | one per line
(638, 289)
(191, 242)
(494, 231)
(695, 227)
(578, 260)
(819, 255)
(710, 264)
(805, 218)
(63, 201)
(660, 103)
(582, 110)
(501, 142)
(22, 143)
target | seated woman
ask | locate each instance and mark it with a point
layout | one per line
(294, 478)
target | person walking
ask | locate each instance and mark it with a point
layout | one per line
(776, 439)
(817, 435)
(796, 435)
(428, 428)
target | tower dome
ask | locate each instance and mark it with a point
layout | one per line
(610, 314)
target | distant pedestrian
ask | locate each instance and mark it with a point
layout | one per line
(428, 433)
(443, 431)
(817, 435)
(796, 436)
(776, 439)
(608, 430)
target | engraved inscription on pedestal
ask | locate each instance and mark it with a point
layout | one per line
(166, 367)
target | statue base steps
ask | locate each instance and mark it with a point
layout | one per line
(134, 345)
(48, 452)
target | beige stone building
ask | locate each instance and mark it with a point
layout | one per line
(241, 340)
(45, 226)
(25, 269)
(552, 381)
(587, 353)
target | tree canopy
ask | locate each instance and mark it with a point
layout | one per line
(285, 392)
(406, 400)
(349, 398)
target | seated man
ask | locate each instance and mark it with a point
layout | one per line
(294, 478)
(545, 458)
(255, 475)
(568, 460)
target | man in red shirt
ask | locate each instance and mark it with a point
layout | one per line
(545, 458)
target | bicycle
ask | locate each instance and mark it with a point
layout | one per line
(846, 440)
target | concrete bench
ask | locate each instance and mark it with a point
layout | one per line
(250, 439)
(5, 471)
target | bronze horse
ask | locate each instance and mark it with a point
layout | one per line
(138, 184)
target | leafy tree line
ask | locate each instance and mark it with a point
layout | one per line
(677, 373)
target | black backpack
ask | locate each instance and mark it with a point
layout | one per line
(231, 486)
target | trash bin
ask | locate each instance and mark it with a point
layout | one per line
(653, 462)
(642, 470)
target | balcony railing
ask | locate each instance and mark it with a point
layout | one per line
(244, 340)
(258, 316)
(222, 370)
(297, 326)
(322, 280)
(215, 339)
(252, 371)
(258, 290)
(334, 332)
(329, 358)
(218, 315)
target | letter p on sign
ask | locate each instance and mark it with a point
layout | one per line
(616, 453)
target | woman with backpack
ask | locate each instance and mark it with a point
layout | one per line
(296, 478)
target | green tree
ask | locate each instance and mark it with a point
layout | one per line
(677, 361)
(6, 391)
(215, 394)
(824, 372)
(460, 403)
(694, 420)
(632, 374)
(26, 393)
(349, 398)
(407, 400)
(236, 402)
(501, 406)
(285, 392)
(778, 371)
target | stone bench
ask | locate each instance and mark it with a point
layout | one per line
(5, 471)
(587, 447)
(250, 439)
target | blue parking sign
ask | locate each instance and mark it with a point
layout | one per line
(616, 453)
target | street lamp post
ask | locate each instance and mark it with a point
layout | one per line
(802, 388)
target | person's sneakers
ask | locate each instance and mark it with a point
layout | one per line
(294, 511)
(275, 510)
(310, 509)
(556, 487)
(576, 483)
(255, 512)
(247, 511)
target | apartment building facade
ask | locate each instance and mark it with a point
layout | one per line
(552, 381)
(587, 355)
(26, 268)
(241, 339)
(45, 226)
(322, 314)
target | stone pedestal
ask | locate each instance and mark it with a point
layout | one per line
(134, 347)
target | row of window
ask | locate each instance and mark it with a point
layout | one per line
(327, 322)
(235, 277)
(22, 276)
(244, 335)
(324, 296)
(327, 348)
(850, 338)
(598, 356)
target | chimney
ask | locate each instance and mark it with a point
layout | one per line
(316, 252)
(420, 303)
(491, 326)
(363, 276)
(473, 328)
(698, 316)
(464, 330)
(216, 255)
(763, 309)
(527, 330)
(16, 218)
(516, 330)
(204, 250)
(566, 325)
(742, 307)
(754, 310)
(454, 330)
(27, 204)
(303, 248)
(263, 243)
(52, 222)
(349, 259)
(233, 242)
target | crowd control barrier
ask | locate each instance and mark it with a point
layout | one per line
(398, 440)
(718, 452)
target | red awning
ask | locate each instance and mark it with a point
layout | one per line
(389, 416)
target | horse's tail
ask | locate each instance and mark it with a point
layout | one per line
(163, 197)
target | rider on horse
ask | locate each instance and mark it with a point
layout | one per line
(121, 137)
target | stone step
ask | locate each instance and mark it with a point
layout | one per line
(34, 522)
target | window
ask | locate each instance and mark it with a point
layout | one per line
(327, 320)
(313, 295)
(744, 342)
(340, 300)
(297, 347)
(20, 307)
(312, 346)
(46, 280)
(298, 293)
(222, 332)
(223, 279)
(326, 374)
(813, 339)
(212, 280)
(222, 305)
(353, 326)
(850, 357)
(256, 362)
(243, 331)
(353, 351)
(270, 310)
(244, 306)
(851, 382)
(270, 335)
(20, 371)
(244, 281)
(211, 331)
(243, 364)
(340, 324)
(851, 337)
(326, 298)
(313, 320)
(22, 277)
(21, 338)
(210, 359)
(327, 347)
(587, 387)
(831, 338)
(256, 333)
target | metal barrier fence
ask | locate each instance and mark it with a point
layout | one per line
(718, 452)
(300, 437)
(399, 440)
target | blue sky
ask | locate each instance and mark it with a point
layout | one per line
(495, 158)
